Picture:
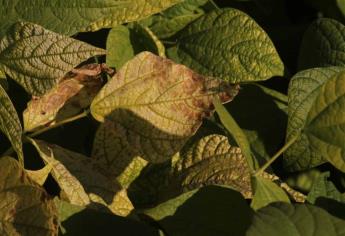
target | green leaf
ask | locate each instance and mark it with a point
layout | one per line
(211, 210)
(295, 220)
(304, 88)
(322, 45)
(25, 207)
(123, 43)
(37, 58)
(82, 181)
(227, 43)
(3, 80)
(266, 192)
(10, 124)
(40, 176)
(77, 220)
(72, 16)
(155, 105)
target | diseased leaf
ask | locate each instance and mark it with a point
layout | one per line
(37, 58)
(81, 180)
(228, 44)
(295, 220)
(155, 105)
(322, 45)
(212, 210)
(75, 92)
(266, 192)
(72, 16)
(25, 207)
(303, 90)
(40, 176)
(10, 124)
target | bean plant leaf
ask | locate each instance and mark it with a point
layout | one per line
(229, 44)
(37, 58)
(82, 181)
(322, 44)
(156, 105)
(40, 176)
(75, 92)
(3, 80)
(295, 220)
(189, 213)
(72, 16)
(10, 124)
(25, 207)
(303, 90)
(266, 192)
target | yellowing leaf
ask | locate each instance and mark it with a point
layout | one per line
(37, 58)
(81, 180)
(156, 105)
(25, 208)
(40, 176)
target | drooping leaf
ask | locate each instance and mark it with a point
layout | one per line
(228, 44)
(77, 220)
(123, 43)
(75, 92)
(322, 45)
(25, 207)
(303, 90)
(155, 105)
(212, 210)
(10, 124)
(295, 220)
(72, 16)
(81, 180)
(266, 192)
(40, 176)
(37, 58)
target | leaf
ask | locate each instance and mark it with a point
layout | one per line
(155, 105)
(212, 210)
(77, 220)
(10, 124)
(295, 220)
(322, 45)
(75, 92)
(25, 208)
(303, 90)
(123, 43)
(3, 80)
(37, 58)
(40, 176)
(266, 192)
(81, 180)
(227, 43)
(72, 16)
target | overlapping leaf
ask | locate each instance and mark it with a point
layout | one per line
(155, 105)
(303, 91)
(72, 16)
(37, 58)
(81, 180)
(25, 207)
(227, 43)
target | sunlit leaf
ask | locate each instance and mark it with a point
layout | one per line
(40, 176)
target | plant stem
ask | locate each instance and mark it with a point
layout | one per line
(283, 149)
(214, 4)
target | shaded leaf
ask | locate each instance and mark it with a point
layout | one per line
(295, 220)
(303, 90)
(25, 208)
(155, 105)
(322, 45)
(3, 80)
(212, 210)
(10, 124)
(227, 43)
(81, 180)
(37, 58)
(40, 176)
(72, 16)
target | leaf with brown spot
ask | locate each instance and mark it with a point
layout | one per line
(25, 207)
(82, 181)
(155, 105)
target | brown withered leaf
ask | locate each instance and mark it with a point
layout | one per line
(73, 93)
(152, 106)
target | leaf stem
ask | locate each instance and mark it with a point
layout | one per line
(283, 149)
(214, 4)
